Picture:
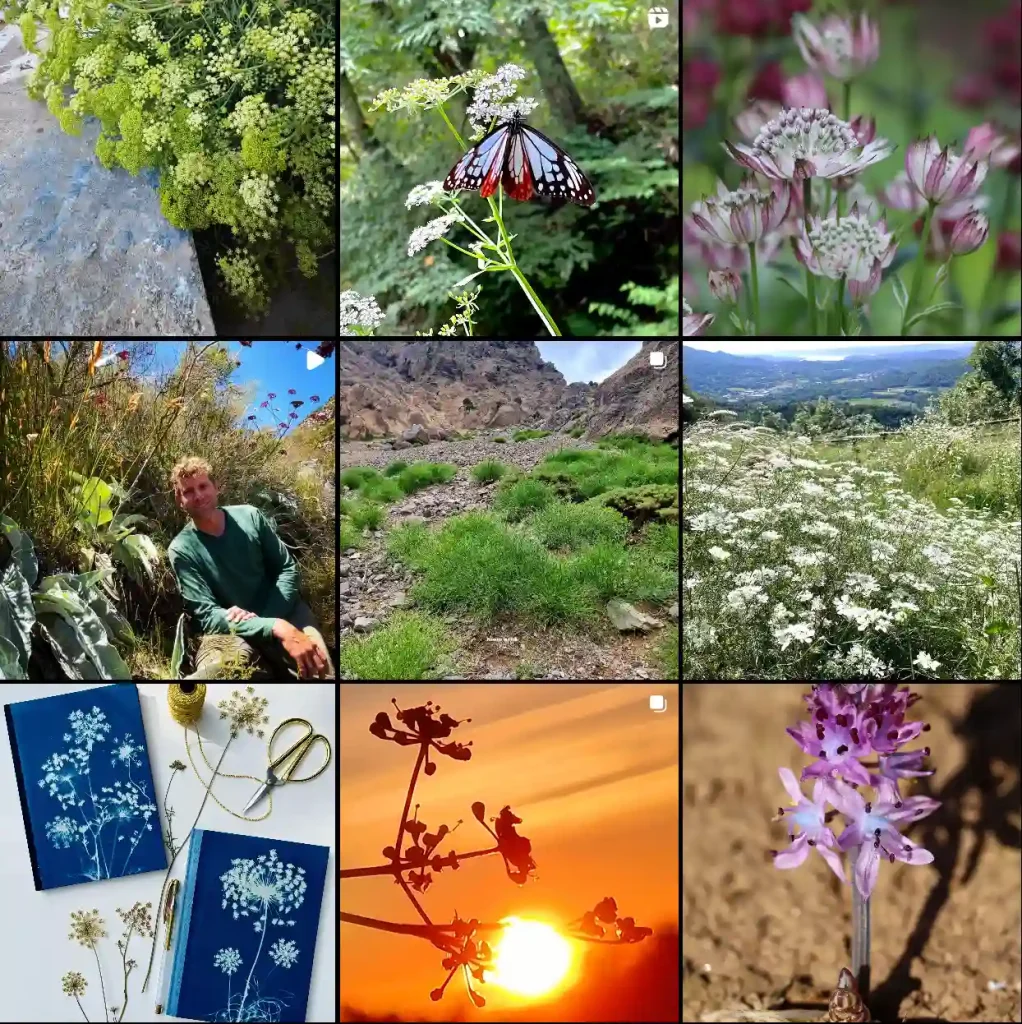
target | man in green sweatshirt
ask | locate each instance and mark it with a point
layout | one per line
(240, 583)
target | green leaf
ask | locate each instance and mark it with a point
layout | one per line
(900, 294)
(793, 287)
(1005, 311)
(997, 627)
(931, 309)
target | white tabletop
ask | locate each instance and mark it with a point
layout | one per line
(35, 951)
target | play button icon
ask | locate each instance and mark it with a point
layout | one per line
(312, 360)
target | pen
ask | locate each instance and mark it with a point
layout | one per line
(169, 916)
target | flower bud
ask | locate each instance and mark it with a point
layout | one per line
(725, 285)
(806, 90)
(969, 233)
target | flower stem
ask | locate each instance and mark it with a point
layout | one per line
(102, 987)
(845, 115)
(84, 1014)
(753, 289)
(917, 279)
(807, 204)
(390, 869)
(841, 304)
(860, 935)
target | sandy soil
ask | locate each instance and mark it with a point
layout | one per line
(940, 932)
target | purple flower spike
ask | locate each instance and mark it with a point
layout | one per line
(838, 734)
(808, 816)
(871, 829)
(898, 766)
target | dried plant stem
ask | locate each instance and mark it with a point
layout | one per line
(390, 869)
(166, 877)
(860, 934)
(102, 987)
(84, 1014)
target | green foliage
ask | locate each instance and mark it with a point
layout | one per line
(367, 514)
(528, 435)
(518, 499)
(395, 467)
(663, 301)
(355, 476)
(489, 470)
(410, 646)
(500, 440)
(234, 108)
(644, 504)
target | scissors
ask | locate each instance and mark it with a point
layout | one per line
(276, 774)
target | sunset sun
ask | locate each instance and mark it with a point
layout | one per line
(530, 958)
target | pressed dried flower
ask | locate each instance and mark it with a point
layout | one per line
(177, 765)
(245, 712)
(138, 918)
(805, 143)
(86, 927)
(74, 984)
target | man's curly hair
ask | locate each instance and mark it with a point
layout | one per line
(189, 466)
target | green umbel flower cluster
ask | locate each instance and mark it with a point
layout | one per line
(232, 103)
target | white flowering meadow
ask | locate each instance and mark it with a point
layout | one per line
(801, 563)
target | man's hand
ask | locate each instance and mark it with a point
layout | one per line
(236, 614)
(311, 663)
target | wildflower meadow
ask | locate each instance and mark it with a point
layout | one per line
(849, 170)
(806, 560)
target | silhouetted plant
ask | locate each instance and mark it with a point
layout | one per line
(458, 939)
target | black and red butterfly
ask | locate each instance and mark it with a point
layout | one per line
(525, 161)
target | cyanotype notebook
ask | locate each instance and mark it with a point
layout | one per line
(246, 936)
(86, 788)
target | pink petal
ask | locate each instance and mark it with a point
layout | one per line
(846, 800)
(790, 783)
(867, 866)
(794, 854)
(834, 861)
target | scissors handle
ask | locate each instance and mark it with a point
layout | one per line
(299, 749)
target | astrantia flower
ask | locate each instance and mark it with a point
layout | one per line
(802, 142)
(969, 233)
(938, 175)
(744, 215)
(986, 142)
(725, 285)
(694, 322)
(807, 815)
(851, 247)
(839, 47)
(871, 828)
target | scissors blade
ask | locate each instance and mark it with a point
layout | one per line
(271, 780)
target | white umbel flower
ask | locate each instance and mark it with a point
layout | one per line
(803, 142)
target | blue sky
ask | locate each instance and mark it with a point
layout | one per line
(588, 360)
(806, 349)
(266, 366)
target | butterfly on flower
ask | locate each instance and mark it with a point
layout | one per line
(525, 162)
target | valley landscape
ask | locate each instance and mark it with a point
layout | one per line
(843, 536)
(499, 522)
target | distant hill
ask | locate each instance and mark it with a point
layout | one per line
(863, 373)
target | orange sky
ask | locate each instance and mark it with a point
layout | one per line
(590, 769)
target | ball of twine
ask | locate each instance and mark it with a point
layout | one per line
(185, 701)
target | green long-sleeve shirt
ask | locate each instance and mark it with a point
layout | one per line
(247, 566)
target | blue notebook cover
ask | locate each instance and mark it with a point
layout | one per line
(246, 935)
(86, 788)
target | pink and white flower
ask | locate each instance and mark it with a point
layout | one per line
(940, 176)
(744, 215)
(839, 47)
(805, 143)
(693, 323)
(851, 247)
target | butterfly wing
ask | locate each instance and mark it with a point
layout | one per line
(518, 175)
(553, 174)
(481, 166)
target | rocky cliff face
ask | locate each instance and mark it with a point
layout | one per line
(388, 386)
(639, 397)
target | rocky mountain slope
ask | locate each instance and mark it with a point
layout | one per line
(388, 387)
